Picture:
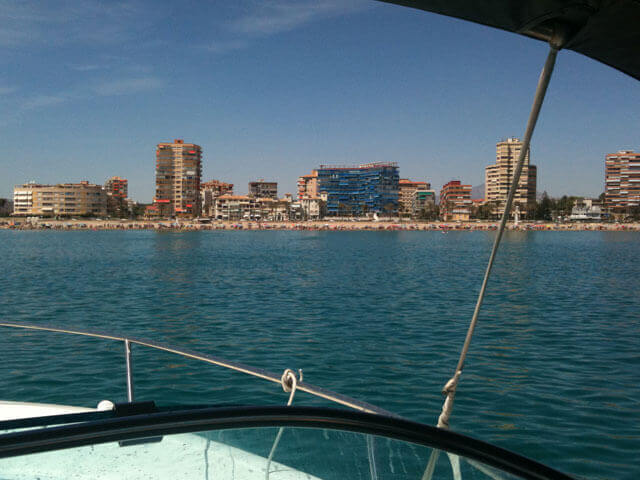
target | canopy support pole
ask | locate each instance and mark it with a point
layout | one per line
(450, 388)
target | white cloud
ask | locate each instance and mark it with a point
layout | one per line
(40, 101)
(58, 21)
(281, 16)
(128, 86)
(227, 46)
(87, 68)
(270, 18)
(4, 90)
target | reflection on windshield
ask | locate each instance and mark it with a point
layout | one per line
(303, 453)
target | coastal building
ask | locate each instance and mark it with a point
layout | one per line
(178, 172)
(308, 185)
(498, 178)
(586, 210)
(359, 190)
(423, 202)
(117, 189)
(245, 207)
(262, 189)
(64, 199)
(209, 191)
(622, 181)
(455, 201)
(407, 195)
(313, 208)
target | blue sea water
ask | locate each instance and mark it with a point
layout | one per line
(553, 372)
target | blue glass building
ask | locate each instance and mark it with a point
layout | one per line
(358, 191)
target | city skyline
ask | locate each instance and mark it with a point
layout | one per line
(271, 89)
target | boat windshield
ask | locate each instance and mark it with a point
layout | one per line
(251, 442)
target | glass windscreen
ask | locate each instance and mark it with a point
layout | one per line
(248, 453)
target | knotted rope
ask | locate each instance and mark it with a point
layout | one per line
(289, 383)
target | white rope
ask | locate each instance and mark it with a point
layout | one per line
(543, 82)
(450, 387)
(289, 384)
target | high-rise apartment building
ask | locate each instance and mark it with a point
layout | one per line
(359, 190)
(455, 201)
(407, 195)
(262, 189)
(64, 199)
(622, 181)
(117, 187)
(178, 172)
(498, 178)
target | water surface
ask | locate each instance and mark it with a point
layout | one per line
(553, 371)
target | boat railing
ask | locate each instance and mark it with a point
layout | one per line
(283, 380)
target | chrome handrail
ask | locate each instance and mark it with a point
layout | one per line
(236, 366)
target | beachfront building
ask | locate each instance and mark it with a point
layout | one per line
(262, 189)
(178, 172)
(358, 190)
(308, 185)
(586, 210)
(245, 207)
(64, 199)
(117, 189)
(313, 208)
(209, 191)
(407, 195)
(498, 178)
(423, 203)
(622, 182)
(455, 201)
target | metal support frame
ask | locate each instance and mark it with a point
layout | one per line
(210, 359)
(127, 353)
(449, 390)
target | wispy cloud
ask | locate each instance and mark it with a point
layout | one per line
(40, 101)
(270, 18)
(4, 90)
(280, 16)
(57, 22)
(224, 46)
(106, 88)
(88, 67)
(128, 86)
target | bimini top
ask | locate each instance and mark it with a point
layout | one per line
(605, 30)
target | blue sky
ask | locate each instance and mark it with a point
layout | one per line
(272, 89)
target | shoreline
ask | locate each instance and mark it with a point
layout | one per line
(315, 225)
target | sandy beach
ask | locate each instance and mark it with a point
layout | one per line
(330, 225)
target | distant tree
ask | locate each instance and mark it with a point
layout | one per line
(543, 208)
(481, 212)
(137, 210)
(428, 212)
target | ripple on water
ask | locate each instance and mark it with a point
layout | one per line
(553, 370)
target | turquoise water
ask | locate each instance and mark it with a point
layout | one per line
(553, 371)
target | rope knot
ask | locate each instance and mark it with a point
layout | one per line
(451, 385)
(289, 380)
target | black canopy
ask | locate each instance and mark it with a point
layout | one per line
(605, 30)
